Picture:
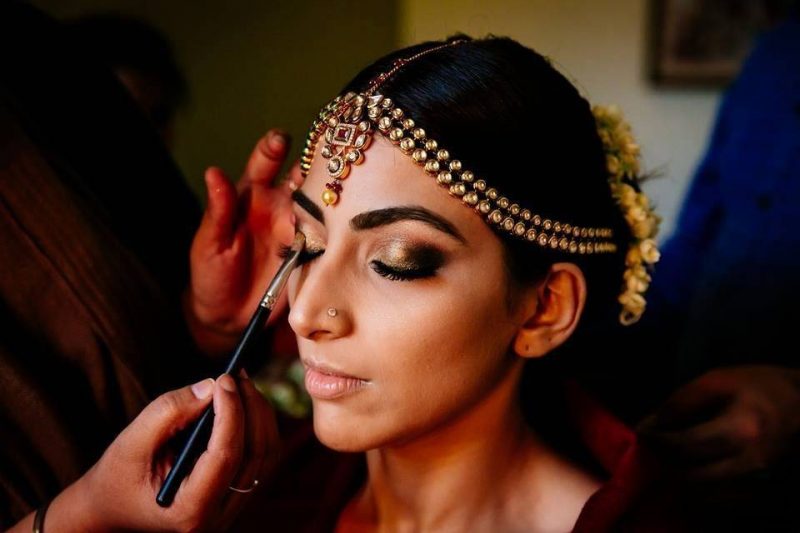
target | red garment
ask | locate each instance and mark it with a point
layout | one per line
(95, 228)
(630, 499)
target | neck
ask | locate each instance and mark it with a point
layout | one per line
(485, 470)
(456, 477)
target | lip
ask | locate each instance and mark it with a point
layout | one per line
(326, 383)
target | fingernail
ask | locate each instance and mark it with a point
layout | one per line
(278, 138)
(226, 382)
(208, 181)
(203, 389)
(243, 373)
(211, 181)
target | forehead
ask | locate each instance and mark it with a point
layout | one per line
(389, 178)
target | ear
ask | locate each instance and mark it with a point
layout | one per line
(553, 315)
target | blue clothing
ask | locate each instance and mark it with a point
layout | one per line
(729, 278)
(727, 289)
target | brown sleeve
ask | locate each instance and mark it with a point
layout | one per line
(86, 338)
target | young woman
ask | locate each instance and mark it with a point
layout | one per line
(466, 214)
(482, 227)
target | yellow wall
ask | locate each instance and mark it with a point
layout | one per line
(253, 65)
(601, 46)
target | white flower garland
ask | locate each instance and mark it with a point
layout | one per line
(622, 162)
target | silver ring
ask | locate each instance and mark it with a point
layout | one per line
(332, 312)
(245, 491)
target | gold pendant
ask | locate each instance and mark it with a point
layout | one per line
(347, 135)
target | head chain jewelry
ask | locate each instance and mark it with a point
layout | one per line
(348, 122)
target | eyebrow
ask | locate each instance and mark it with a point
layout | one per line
(306, 203)
(390, 215)
(383, 217)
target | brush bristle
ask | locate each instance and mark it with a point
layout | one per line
(299, 241)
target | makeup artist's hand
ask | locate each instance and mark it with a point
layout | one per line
(729, 422)
(235, 250)
(119, 492)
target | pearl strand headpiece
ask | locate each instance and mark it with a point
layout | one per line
(347, 125)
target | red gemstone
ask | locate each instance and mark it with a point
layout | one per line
(342, 134)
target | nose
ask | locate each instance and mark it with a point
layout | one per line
(319, 307)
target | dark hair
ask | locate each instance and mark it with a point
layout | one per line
(519, 124)
(120, 42)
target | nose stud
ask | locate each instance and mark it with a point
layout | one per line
(332, 312)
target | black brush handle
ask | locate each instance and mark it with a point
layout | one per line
(201, 430)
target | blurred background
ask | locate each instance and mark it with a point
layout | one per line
(249, 66)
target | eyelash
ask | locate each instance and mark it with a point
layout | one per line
(394, 274)
(380, 268)
(305, 256)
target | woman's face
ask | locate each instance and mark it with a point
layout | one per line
(422, 326)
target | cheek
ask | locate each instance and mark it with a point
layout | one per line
(443, 328)
(439, 351)
(430, 355)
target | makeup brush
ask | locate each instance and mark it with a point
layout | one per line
(201, 430)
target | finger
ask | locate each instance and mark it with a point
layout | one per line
(692, 404)
(262, 432)
(217, 465)
(260, 443)
(727, 468)
(165, 416)
(704, 442)
(266, 159)
(294, 178)
(220, 216)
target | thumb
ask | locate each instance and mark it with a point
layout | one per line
(167, 415)
(220, 216)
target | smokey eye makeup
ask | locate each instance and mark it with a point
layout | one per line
(307, 254)
(396, 258)
(397, 262)
(310, 251)
(402, 261)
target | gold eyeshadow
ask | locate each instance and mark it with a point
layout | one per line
(408, 256)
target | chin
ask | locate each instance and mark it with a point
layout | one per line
(341, 429)
(341, 437)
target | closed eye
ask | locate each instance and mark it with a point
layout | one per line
(305, 256)
(404, 273)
